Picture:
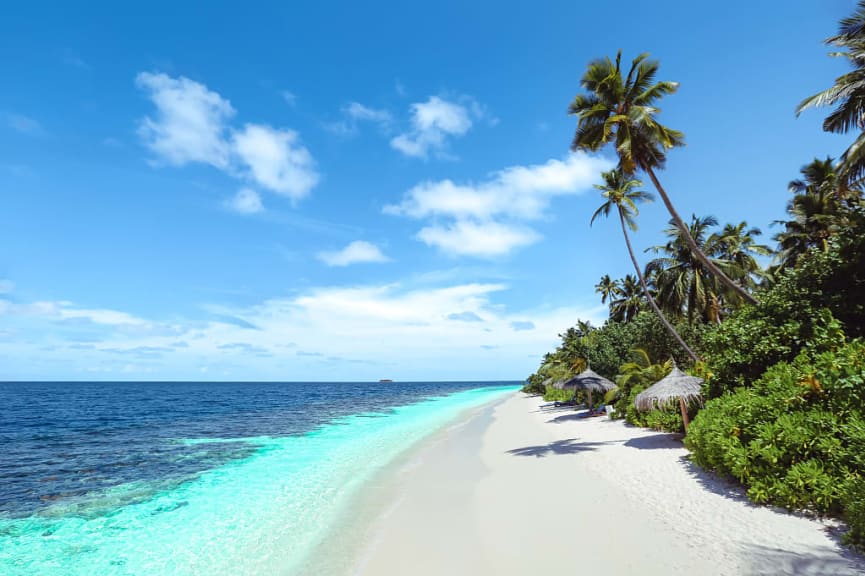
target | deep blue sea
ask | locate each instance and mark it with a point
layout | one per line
(197, 478)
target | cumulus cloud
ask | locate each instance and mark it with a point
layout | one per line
(481, 239)
(489, 218)
(246, 201)
(193, 124)
(433, 122)
(276, 160)
(190, 121)
(357, 252)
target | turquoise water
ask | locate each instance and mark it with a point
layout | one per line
(260, 513)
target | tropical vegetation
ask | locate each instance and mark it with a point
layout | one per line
(777, 333)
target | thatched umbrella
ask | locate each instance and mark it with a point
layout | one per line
(559, 384)
(675, 385)
(590, 381)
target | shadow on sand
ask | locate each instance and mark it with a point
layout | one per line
(569, 446)
(656, 442)
(770, 561)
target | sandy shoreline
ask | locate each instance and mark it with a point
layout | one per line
(514, 490)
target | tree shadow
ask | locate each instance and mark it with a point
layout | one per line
(715, 484)
(569, 417)
(770, 561)
(568, 446)
(656, 442)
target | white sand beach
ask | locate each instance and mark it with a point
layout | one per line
(514, 490)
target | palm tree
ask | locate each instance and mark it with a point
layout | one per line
(847, 95)
(607, 288)
(737, 244)
(628, 302)
(815, 210)
(684, 284)
(623, 111)
(621, 192)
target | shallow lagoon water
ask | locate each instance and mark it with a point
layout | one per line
(255, 499)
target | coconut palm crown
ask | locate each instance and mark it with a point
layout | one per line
(622, 110)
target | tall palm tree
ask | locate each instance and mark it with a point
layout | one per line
(628, 301)
(607, 288)
(622, 111)
(847, 95)
(622, 192)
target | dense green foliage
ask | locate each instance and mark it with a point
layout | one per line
(854, 513)
(798, 311)
(782, 349)
(797, 436)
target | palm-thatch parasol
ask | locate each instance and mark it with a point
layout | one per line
(675, 385)
(590, 381)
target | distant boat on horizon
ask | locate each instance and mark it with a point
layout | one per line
(385, 380)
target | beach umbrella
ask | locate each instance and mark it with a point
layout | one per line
(590, 381)
(674, 386)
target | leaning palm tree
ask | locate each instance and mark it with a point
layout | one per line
(623, 111)
(621, 191)
(847, 95)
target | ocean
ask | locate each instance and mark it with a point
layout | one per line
(159, 478)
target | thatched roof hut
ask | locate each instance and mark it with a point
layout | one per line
(590, 381)
(674, 386)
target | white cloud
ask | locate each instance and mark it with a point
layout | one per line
(6, 286)
(63, 310)
(192, 124)
(357, 332)
(480, 239)
(357, 252)
(355, 112)
(246, 201)
(190, 121)
(358, 111)
(433, 122)
(489, 218)
(23, 124)
(521, 192)
(276, 160)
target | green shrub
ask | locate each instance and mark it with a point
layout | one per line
(854, 513)
(797, 436)
(554, 394)
(807, 306)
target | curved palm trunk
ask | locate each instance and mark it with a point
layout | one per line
(651, 300)
(717, 272)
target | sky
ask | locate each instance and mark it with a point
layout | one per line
(353, 191)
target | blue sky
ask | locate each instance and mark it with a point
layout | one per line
(345, 191)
